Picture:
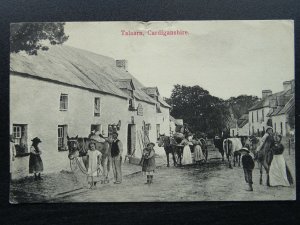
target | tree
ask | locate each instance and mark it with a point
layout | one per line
(240, 105)
(202, 111)
(31, 37)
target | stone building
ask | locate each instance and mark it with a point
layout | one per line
(273, 110)
(68, 91)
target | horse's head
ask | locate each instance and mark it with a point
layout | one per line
(161, 140)
(73, 146)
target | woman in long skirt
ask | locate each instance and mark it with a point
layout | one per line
(198, 154)
(279, 173)
(35, 161)
(186, 156)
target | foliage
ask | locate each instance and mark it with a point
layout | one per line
(31, 37)
(240, 105)
(200, 110)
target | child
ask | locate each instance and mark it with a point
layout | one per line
(94, 160)
(148, 162)
(35, 161)
(248, 166)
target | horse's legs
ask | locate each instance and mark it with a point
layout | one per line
(167, 153)
(261, 172)
(229, 161)
(239, 160)
(173, 154)
(234, 159)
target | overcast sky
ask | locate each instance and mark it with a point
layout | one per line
(227, 58)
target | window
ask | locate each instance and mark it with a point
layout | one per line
(158, 108)
(232, 133)
(263, 115)
(62, 137)
(252, 129)
(20, 138)
(257, 115)
(132, 104)
(63, 102)
(275, 126)
(281, 127)
(97, 107)
(157, 131)
(252, 119)
(96, 127)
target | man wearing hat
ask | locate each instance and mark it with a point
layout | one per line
(35, 161)
(248, 166)
(148, 162)
(116, 158)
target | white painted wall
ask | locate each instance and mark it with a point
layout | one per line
(36, 103)
(260, 122)
(277, 120)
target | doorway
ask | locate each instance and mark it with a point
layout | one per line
(131, 139)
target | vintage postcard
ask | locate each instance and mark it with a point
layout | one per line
(152, 111)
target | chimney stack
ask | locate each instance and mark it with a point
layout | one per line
(266, 93)
(287, 85)
(122, 63)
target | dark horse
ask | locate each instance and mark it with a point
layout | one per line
(78, 147)
(264, 157)
(169, 145)
(218, 143)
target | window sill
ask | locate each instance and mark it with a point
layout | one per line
(20, 155)
(63, 110)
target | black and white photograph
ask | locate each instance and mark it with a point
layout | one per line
(158, 111)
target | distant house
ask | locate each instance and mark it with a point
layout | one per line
(272, 110)
(240, 127)
(67, 92)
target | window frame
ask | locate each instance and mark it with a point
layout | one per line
(97, 114)
(64, 103)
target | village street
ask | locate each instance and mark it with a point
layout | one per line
(210, 181)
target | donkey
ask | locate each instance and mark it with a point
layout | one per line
(78, 147)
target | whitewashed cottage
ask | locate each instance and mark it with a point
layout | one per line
(68, 91)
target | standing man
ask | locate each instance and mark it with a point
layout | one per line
(116, 158)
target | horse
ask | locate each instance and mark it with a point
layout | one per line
(218, 143)
(78, 147)
(169, 145)
(230, 146)
(264, 158)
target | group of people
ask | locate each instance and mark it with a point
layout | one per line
(35, 161)
(279, 173)
(188, 143)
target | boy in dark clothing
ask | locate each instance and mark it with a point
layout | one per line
(248, 166)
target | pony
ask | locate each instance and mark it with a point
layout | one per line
(78, 147)
(218, 143)
(230, 146)
(170, 147)
(264, 158)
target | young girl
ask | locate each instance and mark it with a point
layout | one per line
(148, 162)
(94, 160)
(35, 161)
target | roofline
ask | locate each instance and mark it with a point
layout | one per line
(258, 108)
(63, 83)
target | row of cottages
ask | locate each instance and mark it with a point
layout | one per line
(274, 109)
(67, 92)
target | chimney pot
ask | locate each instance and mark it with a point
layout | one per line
(122, 63)
(266, 93)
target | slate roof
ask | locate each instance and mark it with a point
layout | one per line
(79, 68)
(279, 96)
